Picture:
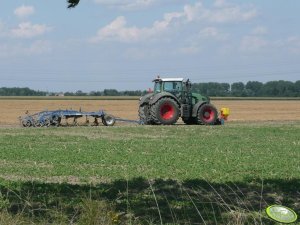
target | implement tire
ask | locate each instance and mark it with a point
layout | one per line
(165, 111)
(26, 123)
(207, 114)
(108, 120)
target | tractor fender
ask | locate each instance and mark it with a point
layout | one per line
(158, 96)
(145, 99)
(196, 107)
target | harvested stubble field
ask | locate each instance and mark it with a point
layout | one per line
(241, 110)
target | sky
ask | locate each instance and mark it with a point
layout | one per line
(125, 44)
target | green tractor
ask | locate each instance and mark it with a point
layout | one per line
(172, 98)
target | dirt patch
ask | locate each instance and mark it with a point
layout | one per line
(256, 110)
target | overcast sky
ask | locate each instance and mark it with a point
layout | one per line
(124, 44)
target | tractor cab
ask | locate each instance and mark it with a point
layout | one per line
(173, 85)
(179, 87)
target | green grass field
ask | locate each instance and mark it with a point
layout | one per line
(160, 174)
(132, 98)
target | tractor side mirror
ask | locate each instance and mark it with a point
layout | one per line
(188, 84)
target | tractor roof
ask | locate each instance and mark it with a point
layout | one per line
(168, 79)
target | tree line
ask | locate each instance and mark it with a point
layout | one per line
(15, 91)
(279, 88)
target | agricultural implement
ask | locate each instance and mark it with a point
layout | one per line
(62, 117)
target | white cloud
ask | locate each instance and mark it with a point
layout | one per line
(24, 11)
(28, 30)
(192, 12)
(126, 4)
(118, 30)
(231, 14)
(224, 13)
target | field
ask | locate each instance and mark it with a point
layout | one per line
(149, 174)
(250, 110)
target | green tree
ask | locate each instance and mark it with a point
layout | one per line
(238, 89)
(80, 93)
(110, 92)
(279, 88)
(69, 94)
(254, 88)
(297, 88)
(4, 91)
(212, 88)
(96, 93)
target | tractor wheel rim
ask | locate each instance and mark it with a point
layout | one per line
(167, 111)
(208, 115)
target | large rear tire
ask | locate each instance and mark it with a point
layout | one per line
(165, 111)
(207, 114)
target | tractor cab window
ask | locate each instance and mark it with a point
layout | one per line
(157, 86)
(172, 86)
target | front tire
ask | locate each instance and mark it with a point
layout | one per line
(207, 114)
(165, 111)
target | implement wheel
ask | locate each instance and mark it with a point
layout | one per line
(108, 120)
(207, 114)
(165, 111)
(26, 123)
(55, 121)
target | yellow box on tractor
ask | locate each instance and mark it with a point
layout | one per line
(225, 113)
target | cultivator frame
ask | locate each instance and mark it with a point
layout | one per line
(55, 118)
